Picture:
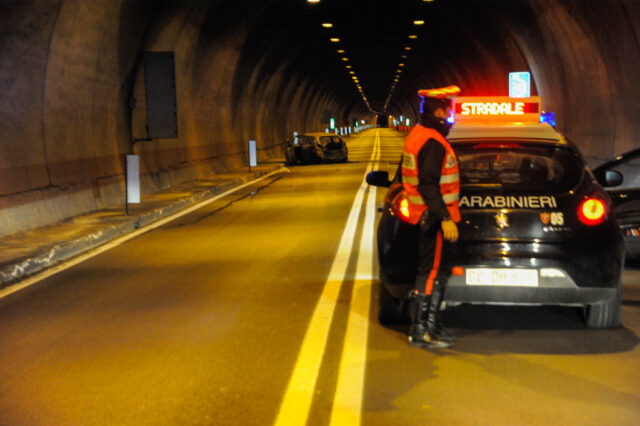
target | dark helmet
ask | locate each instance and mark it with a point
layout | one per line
(431, 100)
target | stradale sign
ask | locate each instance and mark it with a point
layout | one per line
(492, 109)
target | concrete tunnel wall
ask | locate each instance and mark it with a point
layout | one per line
(260, 70)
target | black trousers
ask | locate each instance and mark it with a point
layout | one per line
(436, 257)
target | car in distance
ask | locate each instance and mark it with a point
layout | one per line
(536, 229)
(311, 148)
(621, 178)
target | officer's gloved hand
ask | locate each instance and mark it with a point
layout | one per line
(449, 230)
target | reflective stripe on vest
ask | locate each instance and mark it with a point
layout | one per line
(452, 178)
(449, 174)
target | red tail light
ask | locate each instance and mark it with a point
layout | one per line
(403, 209)
(592, 211)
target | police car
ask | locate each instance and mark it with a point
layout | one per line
(537, 228)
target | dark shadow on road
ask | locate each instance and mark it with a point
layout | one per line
(550, 330)
(533, 330)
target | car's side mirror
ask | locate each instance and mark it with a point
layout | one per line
(378, 178)
(612, 178)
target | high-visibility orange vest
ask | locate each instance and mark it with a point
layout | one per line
(449, 174)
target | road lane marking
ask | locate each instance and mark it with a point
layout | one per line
(347, 401)
(296, 404)
(108, 246)
(348, 398)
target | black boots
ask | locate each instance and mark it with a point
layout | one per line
(426, 329)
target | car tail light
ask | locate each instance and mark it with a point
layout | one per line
(400, 207)
(592, 211)
(403, 209)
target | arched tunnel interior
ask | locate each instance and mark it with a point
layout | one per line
(73, 93)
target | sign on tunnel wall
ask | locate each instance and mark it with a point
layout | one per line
(160, 86)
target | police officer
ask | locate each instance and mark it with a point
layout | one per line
(432, 185)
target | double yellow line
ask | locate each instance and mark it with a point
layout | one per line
(347, 402)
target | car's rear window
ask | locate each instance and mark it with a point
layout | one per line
(519, 167)
(304, 140)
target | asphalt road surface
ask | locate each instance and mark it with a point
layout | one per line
(259, 309)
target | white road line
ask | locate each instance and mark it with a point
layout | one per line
(347, 402)
(296, 404)
(108, 246)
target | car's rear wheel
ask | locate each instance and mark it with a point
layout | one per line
(605, 314)
(391, 310)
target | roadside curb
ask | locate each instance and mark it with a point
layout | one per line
(22, 268)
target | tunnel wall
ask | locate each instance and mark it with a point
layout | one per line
(584, 57)
(71, 68)
(72, 92)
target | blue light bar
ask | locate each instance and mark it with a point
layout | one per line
(548, 117)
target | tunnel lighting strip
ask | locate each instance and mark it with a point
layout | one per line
(345, 59)
(108, 246)
(406, 50)
(297, 400)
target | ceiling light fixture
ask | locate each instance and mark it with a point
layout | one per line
(418, 22)
(327, 25)
(335, 40)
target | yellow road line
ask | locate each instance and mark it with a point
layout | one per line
(296, 404)
(347, 401)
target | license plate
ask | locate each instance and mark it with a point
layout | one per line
(502, 276)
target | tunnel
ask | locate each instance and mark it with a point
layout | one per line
(74, 80)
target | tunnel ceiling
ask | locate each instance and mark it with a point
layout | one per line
(461, 42)
(473, 44)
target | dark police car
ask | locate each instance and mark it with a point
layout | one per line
(537, 228)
